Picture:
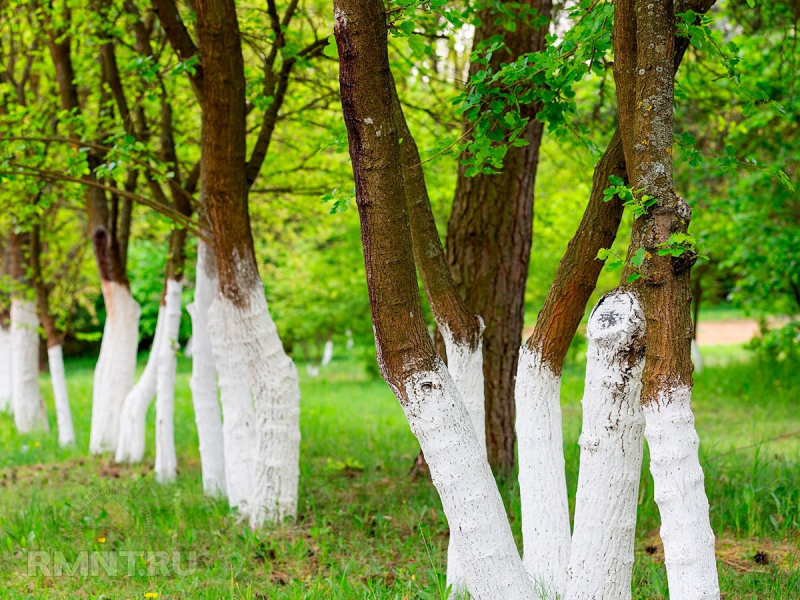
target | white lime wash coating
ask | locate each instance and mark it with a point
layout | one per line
(601, 560)
(116, 366)
(29, 414)
(5, 368)
(58, 380)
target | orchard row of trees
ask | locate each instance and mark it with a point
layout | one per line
(120, 120)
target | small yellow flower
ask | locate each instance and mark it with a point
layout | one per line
(36, 444)
(101, 540)
(151, 595)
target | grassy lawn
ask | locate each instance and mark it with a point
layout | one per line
(365, 529)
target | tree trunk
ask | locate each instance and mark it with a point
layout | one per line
(259, 382)
(644, 35)
(489, 241)
(55, 356)
(166, 459)
(406, 354)
(205, 396)
(5, 364)
(601, 558)
(116, 365)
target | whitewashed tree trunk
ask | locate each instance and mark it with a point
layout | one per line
(58, 379)
(697, 357)
(327, 354)
(681, 497)
(29, 413)
(205, 396)
(5, 369)
(166, 459)
(487, 555)
(465, 365)
(261, 409)
(133, 419)
(542, 473)
(116, 366)
(601, 560)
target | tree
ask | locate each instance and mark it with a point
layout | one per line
(490, 231)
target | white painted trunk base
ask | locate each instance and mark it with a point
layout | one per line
(601, 560)
(466, 368)
(542, 473)
(166, 460)
(697, 357)
(5, 369)
(116, 366)
(133, 418)
(327, 354)
(261, 409)
(487, 555)
(681, 497)
(29, 413)
(205, 396)
(58, 379)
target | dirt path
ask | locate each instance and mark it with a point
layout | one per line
(718, 333)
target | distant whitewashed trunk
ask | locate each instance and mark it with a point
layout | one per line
(327, 354)
(601, 559)
(465, 365)
(487, 555)
(261, 408)
(133, 419)
(58, 379)
(205, 396)
(116, 366)
(5, 368)
(681, 497)
(29, 414)
(166, 459)
(542, 473)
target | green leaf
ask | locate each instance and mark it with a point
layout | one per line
(633, 277)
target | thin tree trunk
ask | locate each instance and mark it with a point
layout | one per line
(55, 356)
(460, 330)
(258, 380)
(406, 354)
(644, 35)
(166, 459)
(489, 241)
(5, 363)
(203, 382)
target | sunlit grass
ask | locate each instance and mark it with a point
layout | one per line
(365, 529)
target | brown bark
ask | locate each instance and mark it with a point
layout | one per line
(404, 345)
(665, 286)
(448, 307)
(576, 277)
(224, 179)
(181, 41)
(106, 246)
(488, 246)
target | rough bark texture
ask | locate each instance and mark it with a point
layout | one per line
(665, 288)
(406, 354)
(488, 246)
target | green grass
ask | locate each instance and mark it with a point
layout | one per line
(364, 528)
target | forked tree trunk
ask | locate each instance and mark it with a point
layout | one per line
(489, 239)
(543, 493)
(461, 330)
(643, 49)
(406, 354)
(258, 380)
(205, 395)
(601, 558)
